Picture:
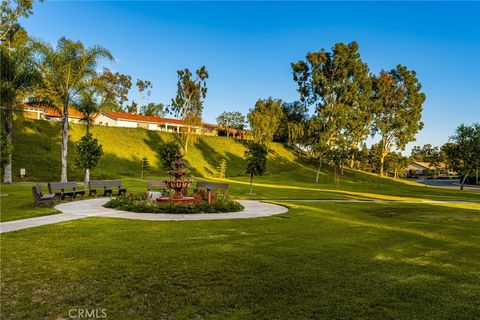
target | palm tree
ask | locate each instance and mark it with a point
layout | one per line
(18, 78)
(89, 104)
(67, 71)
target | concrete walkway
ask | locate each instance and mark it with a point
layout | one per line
(35, 222)
(94, 208)
(253, 209)
(379, 201)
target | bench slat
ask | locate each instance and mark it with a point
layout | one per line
(156, 184)
(212, 185)
(105, 183)
(62, 185)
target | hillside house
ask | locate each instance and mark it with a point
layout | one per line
(120, 119)
(419, 168)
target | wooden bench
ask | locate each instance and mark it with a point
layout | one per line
(156, 189)
(210, 187)
(107, 187)
(151, 185)
(39, 198)
(65, 189)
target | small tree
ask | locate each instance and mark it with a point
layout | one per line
(463, 153)
(145, 166)
(395, 164)
(154, 109)
(132, 108)
(429, 154)
(256, 157)
(89, 152)
(231, 120)
(222, 169)
(265, 119)
(293, 123)
(167, 152)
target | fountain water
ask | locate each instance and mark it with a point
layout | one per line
(178, 184)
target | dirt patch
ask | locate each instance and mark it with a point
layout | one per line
(389, 212)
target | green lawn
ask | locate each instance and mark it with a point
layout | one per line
(16, 202)
(319, 260)
(16, 199)
(399, 260)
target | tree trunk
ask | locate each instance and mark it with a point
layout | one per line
(319, 168)
(7, 175)
(63, 176)
(251, 183)
(341, 170)
(185, 147)
(463, 180)
(87, 177)
(352, 156)
(382, 160)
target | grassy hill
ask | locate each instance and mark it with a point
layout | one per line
(37, 149)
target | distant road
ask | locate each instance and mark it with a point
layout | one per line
(447, 183)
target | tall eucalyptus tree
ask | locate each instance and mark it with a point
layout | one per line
(335, 84)
(188, 102)
(397, 103)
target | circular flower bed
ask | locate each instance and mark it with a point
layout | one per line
(139, 204)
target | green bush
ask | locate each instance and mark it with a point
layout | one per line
(167, 153)
(137, 203)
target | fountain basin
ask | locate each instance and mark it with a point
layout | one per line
(177, 184)
(169, 200)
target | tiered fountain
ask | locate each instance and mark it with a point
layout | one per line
(178, 184)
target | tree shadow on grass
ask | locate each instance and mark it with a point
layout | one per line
(235, 164)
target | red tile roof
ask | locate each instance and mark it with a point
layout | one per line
(72, 113)
(53, 112)
(139, 117)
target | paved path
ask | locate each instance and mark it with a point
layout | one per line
(379, 201)
(94, 208)
(448, 184)
(38, 221)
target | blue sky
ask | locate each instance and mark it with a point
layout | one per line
(247, 47)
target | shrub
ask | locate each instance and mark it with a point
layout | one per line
(167, 152)
(137, 203)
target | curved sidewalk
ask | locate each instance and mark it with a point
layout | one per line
(94, 208)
